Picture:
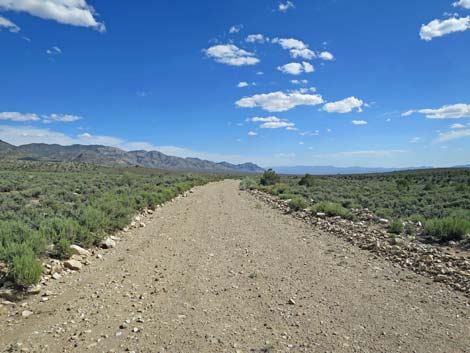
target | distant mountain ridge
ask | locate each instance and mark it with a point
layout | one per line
(112, 156)
(330, 170)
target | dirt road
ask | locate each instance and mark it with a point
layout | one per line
(219, 272)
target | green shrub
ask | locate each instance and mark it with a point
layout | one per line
(269, 177)
(447, 229)
(396, 227)
(62, 249)
(308, 180)
(332, 209)
(25, 270)
(297, 204)
(248, 184)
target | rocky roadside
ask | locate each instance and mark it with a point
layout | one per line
(370, 233)
(14, 302)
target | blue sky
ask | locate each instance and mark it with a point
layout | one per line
(301, 82)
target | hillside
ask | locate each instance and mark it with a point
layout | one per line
(111, 156)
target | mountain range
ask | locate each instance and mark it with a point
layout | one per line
(112, 156)
(331, 170)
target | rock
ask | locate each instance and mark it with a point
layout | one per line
(321, 214)
(73, 265)
(56, 276)
(137, 218)
(142, 225)
(291, 302)
(34, 290)
(384, 221)
(77, 250)
(125, 229)
(108, 243)
(26, 313)
(8, 294)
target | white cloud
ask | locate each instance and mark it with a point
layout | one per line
(20, 117)
(255, 38)
(457, 126)
(368, 154)
(296, 68)
(245, 84)
(452, 135)
(303, 53)
(143, 94)
(297, 48)
(415, 140)
(54, 51)
(359, 122)
(6, 23)
(235, 29)
(64, 118)
(71, 12)
(284, 7)
(273, 122)
(455, 111)
(438, 28)
(299, 82)
(325, 55)
(230, 54)
(279, 101)
(252, 133)
(346, 105)
(462, 3)
(277, 125)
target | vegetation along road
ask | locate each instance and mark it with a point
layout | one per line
(217, 271)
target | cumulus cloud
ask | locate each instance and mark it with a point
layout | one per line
(325, 55)
(235, 29)
(279, 101)
(297, 48)
(6, 23)
(346, 105)
(245, 84)
(462, 3)
(296, 68)
(359, 122)
(455, 111)
(439, 28)
(252, 133)
(255, 38)
(452, 135)
(230, 54)
(71, 12)
(20, 117)
(285, 6)
(272, 122)
(457, 126)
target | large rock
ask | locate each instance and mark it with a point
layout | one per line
(108, 243)
(77, 250)
(73, 265)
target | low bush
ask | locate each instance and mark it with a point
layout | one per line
(297, 204)
(25, 270)
(62, 249)
(332, 209)
(308, 180)
(447, 229)
(248, 184)
(270, 177)
(396, 227)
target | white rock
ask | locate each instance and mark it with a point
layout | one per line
(26, 313)
(108, 244)
(73, 265)
(77, 250)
